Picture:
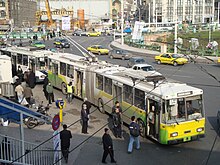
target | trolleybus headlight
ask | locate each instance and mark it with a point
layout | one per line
(199, 129)
(174, 134)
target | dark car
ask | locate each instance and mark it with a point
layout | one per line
(135, 60)
(79, 32)
(119, 53)
(61, 43)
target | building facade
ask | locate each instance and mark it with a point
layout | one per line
(193, 11)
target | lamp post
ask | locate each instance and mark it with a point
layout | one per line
(139, 13)
(122, 22)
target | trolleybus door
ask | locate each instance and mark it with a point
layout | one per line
(79, 83)
(32, 64)
(117, 92)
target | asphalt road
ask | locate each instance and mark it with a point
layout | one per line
(205, 76)
(191, 153)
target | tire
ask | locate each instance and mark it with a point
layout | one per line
(175, 63)
(159, 62)
(101, 106)
(99, 53)
(31, 123)
(63, 88)
(142, 127)
(80, 35)
(123, 58)
(111, 56)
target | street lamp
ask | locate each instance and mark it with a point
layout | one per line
(122, 22)
(139, 13)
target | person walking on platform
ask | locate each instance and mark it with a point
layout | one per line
(49, 89)
(46, 81)
(84, 118)
(116, 117)
(107, 146)
(69, 88)
(28, 94)
(134, 135)
(65, 136)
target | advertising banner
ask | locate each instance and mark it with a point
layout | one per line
(66, 23)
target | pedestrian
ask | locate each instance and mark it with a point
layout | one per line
(20, 43)
(19, 92)
(28, 94)
(69, 92)
(65, 136)
(117, 123)
(117, 105)
(20, 73)
(31, 79)
(84, 118)
(134, 135)
(88, 104)
(151, 121)
(107, 146)
(46, 81)
(49, 89)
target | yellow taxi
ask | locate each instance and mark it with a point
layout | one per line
(171, 58)
(98, 49)
(93, 34)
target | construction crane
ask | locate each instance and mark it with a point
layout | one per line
(49, 16)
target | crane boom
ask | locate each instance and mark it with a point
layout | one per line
(50, 20)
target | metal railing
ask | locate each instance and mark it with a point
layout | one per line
(11, 149)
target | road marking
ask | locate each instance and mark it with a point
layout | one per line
(181, 76)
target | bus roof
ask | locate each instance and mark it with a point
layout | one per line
(164, 88)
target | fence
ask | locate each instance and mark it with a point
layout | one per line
(11, 149)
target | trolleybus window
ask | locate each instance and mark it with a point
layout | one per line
(70, 71)
(128, 94)
(63, 68)
(41, 63)
(108, 85)
(20, 59)
(182, 109)
(139, 99)
(54, 68)
(99, 81)
(25, 60)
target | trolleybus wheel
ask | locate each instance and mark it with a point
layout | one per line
(63, 88)
(142, 127)
(101, 106)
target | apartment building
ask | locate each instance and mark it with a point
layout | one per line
(193, 11)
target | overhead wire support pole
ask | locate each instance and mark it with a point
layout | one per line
(175, 31)
(122, 22)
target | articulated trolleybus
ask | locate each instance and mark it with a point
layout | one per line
(166, 110)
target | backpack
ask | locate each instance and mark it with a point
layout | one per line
(134, 130)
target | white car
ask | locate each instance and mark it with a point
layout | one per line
(147, 68)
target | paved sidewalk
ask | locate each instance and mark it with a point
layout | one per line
(150, 53)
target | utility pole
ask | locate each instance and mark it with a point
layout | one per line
(175, 20)
(122, 22)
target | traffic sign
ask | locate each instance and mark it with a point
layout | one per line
(56, 122)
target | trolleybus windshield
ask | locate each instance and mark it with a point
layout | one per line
(184, 109)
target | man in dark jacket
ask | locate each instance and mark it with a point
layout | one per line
(65, 136)
(116, 116)
(85, 118)
(107, 146)
(31, 79)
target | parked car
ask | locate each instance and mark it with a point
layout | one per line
(93, 34)
(171, 58)
(119, 53)
(61, 43)
(79, 32)
(135, 60)
(39, 44)
(147, 68)
(98, 49)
